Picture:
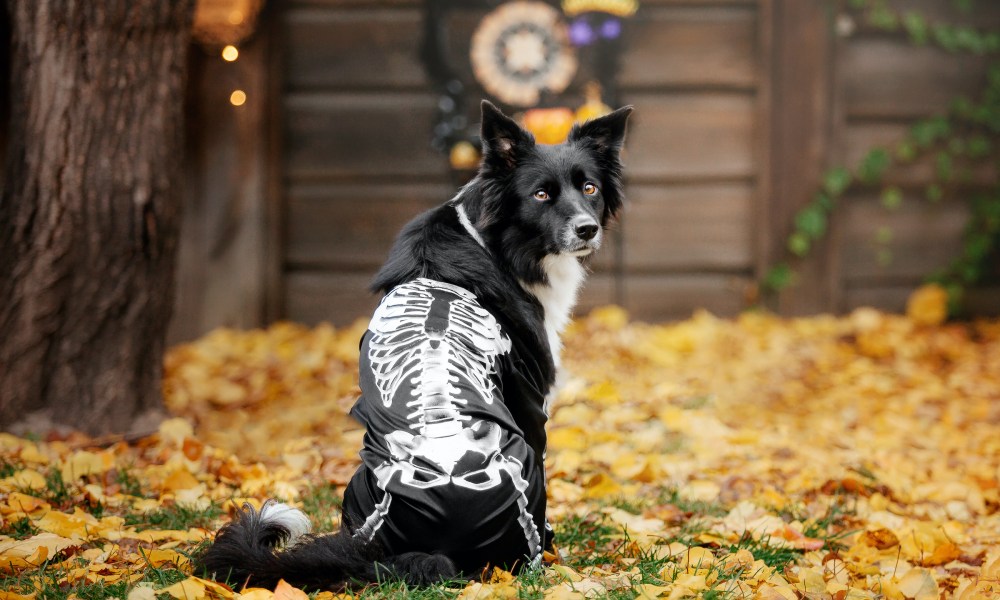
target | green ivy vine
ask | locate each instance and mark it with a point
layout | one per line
(966, 137)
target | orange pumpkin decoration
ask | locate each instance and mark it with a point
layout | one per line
(549, 125)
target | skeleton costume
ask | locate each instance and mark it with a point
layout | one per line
(452, 458)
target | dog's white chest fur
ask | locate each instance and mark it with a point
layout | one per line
(558, 296)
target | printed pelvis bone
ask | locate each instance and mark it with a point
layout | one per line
(428, 461)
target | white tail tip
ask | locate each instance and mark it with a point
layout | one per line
(292, 519)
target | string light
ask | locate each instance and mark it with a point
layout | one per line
(230, 53)
(238, 98)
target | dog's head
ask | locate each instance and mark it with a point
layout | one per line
(544, 200)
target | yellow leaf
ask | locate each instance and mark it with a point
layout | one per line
(191, 588)
(255, 594)
(604, 393)
(31, 454)
(179, 480)
(700, 491)
(175, 430)
(611, 317)
(33, 550)
(286, 591)
(649, 591)
(943, 554)
(76, 526)
(83, 463)
(158, 557)
(489, 591)
(563, 591)
(567, 573)
(601, 486)
(568, 438)
(27, 479)
(22, 503)
(142, 592)
(698, 560)
(811, 581)
(919, 584)
(694, 583)
(781, 592)
(928, 305)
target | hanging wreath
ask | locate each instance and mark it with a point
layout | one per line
(524, 53)
(521, 51)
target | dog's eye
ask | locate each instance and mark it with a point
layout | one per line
(589, 189)
(541, 195)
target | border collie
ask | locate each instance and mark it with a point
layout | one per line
(455, 371)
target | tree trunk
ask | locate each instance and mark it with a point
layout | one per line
(89, 214)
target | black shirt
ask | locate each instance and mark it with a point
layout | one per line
(452, 457)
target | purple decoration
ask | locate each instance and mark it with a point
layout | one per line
(581, 33)
(611, 29)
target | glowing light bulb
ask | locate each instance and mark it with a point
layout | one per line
(230, 53)
(238, 98)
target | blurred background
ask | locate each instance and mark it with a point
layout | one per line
(810, 155)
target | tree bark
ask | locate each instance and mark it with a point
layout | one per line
(90, 210)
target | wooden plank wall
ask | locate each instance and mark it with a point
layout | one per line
(883, 85)
(357, 112)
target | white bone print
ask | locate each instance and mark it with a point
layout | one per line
(438, 351)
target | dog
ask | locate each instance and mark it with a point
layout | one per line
(456, 372)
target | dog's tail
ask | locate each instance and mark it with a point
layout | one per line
(257, 549)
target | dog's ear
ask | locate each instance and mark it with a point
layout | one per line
(606, 133)
(503, 138)
(604, 137)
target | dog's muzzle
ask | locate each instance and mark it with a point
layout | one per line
(582, 235)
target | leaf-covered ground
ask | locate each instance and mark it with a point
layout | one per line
(839, 458)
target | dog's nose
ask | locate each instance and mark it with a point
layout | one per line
(586, 231)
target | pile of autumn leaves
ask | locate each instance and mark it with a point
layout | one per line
(821, 458)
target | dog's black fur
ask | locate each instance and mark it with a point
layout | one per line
(518, 229)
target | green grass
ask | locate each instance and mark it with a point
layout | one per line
(9, 467)
(176, 516)
(587, 541)
(696, 508)
(57, 491)
(129, 483)
(45, 583)
(19, 529)
(322, 502)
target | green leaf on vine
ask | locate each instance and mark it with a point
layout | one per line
(916, 27)
(799, 244)
(906, 151)
(979, 146)
(927, 132)
(883, 235)
(944, 166)
(892, 198)
(837, 181)
(873, 165)
(811, 221)
(779, 277)
(978, 246)
(935, 192)
(882, 17)
(823, 199)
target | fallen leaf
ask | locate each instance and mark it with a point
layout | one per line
(286, 591)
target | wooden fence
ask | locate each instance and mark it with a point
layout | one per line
(741, 106)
